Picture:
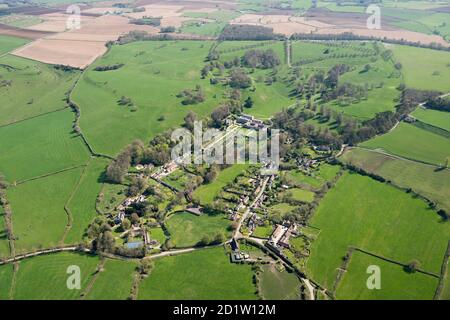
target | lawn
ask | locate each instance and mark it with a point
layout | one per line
(8, 43)
(281, 208)
(203, 274)
(6, 275)
(316, 179)
(157, 234)
(83, 200)
(40, 146)
(187, 229)
(45, 277)
(301, 195)
(178, 179)
(410, 142)
(424, 68)
(435, 118)
(38, 215)
(278, 285)
(31, 88)
(262, 231)
(208, 192)
(421, 178)
(396, 284)
(378, 218)
(114, 282)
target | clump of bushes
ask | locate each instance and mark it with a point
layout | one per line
(109, 67)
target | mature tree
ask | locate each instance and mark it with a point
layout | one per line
(126, 224)
(145, 266)
(189, 120)
(219, 115)
(248, 102)
(240, 80)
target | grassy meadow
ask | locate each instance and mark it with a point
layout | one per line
(278, 285)
(31, 88)
(6, 276)
(187, 229)
(435, 118)
(83, 199)
(203, 274)
(154, 73)
(421, 178)
(114, 282)
(4, 242)
(9, 43)
(39, 218)
(424, 69)
(378, 218)
(41, 146)
(413, 143)
(45, 277)
(396, 283)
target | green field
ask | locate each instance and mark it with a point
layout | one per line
(187, 229)
(40, 146)
(4, 243)
(421, 178)
(396, 284)
(378, 218)
(208, 192)
(159, 72)
(82, 202)
(268, 99)
(39, 218)
(204, 274)
(278, 285)
(31, 88)
(424, 68)
(301, 195)
(435, 118)
(45, 277)
(413, 143)
(114, 282)
(8, 43)
(6, 275)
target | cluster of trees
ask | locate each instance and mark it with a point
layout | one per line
(155, 22)
(263, 59)
(438, 103)
(211, 240)
(157, 153)
(351, 36)
(239, 79)
(293, 122)
(65, 68)
(125, 101)
(353, 92)
(169, 29)
(109, 67)
(248, 32)
(192, 96)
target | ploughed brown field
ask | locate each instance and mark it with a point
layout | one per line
(321, 22)
(21, 33)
